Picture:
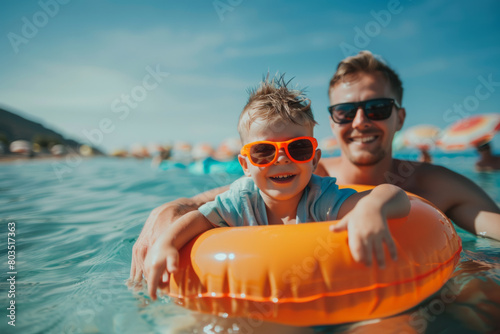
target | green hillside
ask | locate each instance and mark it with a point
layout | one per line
(14, 127)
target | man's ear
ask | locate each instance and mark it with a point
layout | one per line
(401, 118)
(244, 164)
(332, 124)
(316, 158)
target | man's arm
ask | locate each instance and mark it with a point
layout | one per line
(463, 201)
(158, 221)
(321, 168)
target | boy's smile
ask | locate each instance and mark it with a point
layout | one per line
(283, 178)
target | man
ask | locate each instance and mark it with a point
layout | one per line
(366, 156)
(365, 131)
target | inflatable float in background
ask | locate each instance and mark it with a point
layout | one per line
(204, 166)
(304, 274)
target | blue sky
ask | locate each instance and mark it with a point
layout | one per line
(71, 64)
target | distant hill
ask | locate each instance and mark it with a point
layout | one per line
(14, 127)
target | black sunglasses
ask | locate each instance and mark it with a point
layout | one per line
(375, 110)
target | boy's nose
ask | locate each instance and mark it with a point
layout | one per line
(282, 157)
(360, 120)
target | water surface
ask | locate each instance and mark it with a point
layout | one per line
(76, 223)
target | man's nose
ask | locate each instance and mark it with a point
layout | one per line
(360, 120)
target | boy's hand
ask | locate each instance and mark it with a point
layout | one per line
(157, 223)
(163, 257)
(367, 232)
(161, 261)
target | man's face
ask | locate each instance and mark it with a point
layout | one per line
(363, 141)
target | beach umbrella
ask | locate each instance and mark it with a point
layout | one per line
(398, 141)
(20, 146)
(228, 149)
(202, 151)
(121, 153)
(421, 136)
(139, 151)
(58, 150)
(181, 151)
(154, 149)
(328, 144)
(470, 132)
(86, 150)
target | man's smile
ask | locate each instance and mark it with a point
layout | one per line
(364, 139)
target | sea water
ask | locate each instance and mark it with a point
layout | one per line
(73, 224)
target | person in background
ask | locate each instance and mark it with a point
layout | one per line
(366, 111)
(163, 154)
(487, 161)
(425, 156)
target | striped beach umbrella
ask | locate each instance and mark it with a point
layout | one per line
(469, 132)
(421, 136)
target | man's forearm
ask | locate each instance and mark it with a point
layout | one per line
(207, 196)
(179, 207)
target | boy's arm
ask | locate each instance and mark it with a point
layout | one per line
(163, 257)
(364, 215)
(159, 220)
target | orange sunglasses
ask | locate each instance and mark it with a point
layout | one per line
(264, 153)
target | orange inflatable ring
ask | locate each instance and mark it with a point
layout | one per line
(304, 274)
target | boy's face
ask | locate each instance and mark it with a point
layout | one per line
(284, 179)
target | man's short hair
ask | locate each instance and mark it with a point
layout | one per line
(276, 104)
(366, 62)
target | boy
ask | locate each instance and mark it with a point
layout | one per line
(279, 157)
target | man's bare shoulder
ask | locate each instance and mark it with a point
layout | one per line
(327, 166)
(440, 185)
(434, 173)
(414, 174)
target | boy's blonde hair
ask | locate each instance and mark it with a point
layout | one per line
(275, 103)
(366, 62)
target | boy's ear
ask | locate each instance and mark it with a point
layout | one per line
(244, 164)
(316, 158)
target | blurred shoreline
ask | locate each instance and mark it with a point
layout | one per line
(18, 157)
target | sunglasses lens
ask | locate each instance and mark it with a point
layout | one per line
(378, 110)
(375, 110)
(344, 113)
(262, 154)
(301, 150)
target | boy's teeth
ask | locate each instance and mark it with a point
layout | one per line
(282, 176)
